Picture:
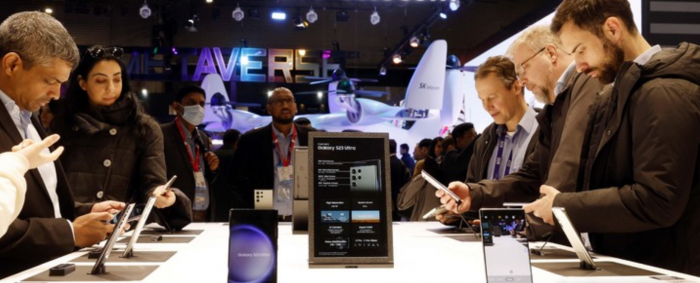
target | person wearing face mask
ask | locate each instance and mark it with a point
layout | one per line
(187, 152)
(113, 149)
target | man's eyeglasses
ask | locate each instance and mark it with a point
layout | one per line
(280, 102)
(521, 67)
(99, 52)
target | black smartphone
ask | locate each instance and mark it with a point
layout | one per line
(252, 246)
(133, 217)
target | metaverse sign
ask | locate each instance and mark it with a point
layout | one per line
(240, 64)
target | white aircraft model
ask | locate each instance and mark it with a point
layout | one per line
(425, 92)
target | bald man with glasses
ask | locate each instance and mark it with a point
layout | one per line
(264, 157)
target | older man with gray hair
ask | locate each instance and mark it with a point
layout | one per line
(549, 72)
(36, 57)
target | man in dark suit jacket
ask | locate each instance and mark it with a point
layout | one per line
(399, 177)
(223, 195)
(180, 160)
(254, 160)
(47, 226)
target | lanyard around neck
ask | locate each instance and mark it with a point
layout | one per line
(288, 159)
(195, 160)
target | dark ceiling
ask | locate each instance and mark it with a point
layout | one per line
(476, 26)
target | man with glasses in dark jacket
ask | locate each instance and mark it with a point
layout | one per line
(641, 184)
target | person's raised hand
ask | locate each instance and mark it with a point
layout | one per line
(34, 151)
(212, 160)
(164, 197)
(462, 191)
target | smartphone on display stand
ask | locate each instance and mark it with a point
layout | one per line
(506, 251)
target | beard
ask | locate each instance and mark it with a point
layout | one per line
(542, 95)
(544, 92)
(283, 121)
(614, 57)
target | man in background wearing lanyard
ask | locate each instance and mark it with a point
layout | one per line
(263, 159)
(187, 152)
(505, 144)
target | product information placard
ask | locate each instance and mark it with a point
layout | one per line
(350, 216)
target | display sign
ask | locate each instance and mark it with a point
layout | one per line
(252, 246)
(349, 200)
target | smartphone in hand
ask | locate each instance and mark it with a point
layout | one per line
(440, 186)
(170, 183)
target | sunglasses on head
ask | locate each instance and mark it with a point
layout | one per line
(99, 52)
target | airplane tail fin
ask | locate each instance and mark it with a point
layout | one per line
(425, 90)
(453, 100)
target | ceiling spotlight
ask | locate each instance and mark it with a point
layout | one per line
(144, 92)
(382, 71)
(145, 11)
(280, 16)
(454, 5)
(415, 41)
(238, 14)
(311, 16)
(269, 93)
(319, 95)
(209, 1)
(396, 59)
(374, 18)
(191, 24)
(302, 52)
(48, 11)
(443, 15)
(300, 23)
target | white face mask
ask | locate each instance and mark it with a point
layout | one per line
(193, 114)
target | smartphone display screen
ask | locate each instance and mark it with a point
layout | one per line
(252, 246)
(506, 251)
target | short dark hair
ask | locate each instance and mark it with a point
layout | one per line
(591, 14)
(433, 145)
(459, 130)
(392, 146)
(404, 146)
(425, 143)
(231, 136)
(184, 91)
(447, 142)
(501, 66)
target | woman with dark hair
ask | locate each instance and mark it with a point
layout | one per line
(113, 149)
(436, 149)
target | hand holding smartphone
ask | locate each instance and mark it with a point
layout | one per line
(169, 184)
(440, 186)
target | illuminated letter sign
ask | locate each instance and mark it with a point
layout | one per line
(252, 65)
(300, 65)
(227, 71)
(205, 65)
(285, 64)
